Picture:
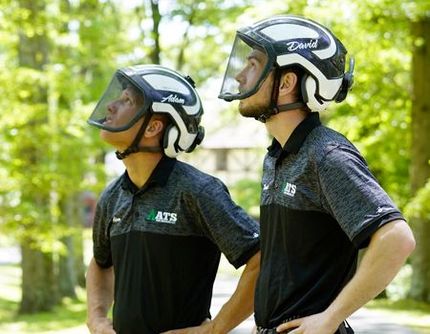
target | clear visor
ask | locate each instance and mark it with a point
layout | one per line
(246, 70)
(120, 107)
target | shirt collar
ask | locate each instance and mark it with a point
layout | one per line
(297, 137)
(159, 176)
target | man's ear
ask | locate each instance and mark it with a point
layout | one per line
(154, 127)
(287, 84)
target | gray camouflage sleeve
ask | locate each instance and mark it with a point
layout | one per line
(101, 238)
(227, 224)
(353, 196)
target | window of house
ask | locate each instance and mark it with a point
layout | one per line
(221, 157)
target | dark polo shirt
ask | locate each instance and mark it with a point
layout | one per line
(164, 242)
(319, 205)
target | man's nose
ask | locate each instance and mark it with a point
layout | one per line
(111, 107)
(240, 77)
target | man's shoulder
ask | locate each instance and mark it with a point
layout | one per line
(188, 174)
(111, 189)
(328, 146)
(322, 140)
(323, 135)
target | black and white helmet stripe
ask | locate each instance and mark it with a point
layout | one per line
(185, 131)
(174, 96)
(327, 88)
(292, 32)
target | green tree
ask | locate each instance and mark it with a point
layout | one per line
(420, 154)
(56, 62)
(38, 288)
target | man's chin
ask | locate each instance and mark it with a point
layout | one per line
(243, 110)
(108, 137)
(245, 114)
(250, 112)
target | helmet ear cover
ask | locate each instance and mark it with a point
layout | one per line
(170, 141)
(309, 94)
(197, 141)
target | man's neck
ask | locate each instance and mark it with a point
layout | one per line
(140, 166)
(282, 125)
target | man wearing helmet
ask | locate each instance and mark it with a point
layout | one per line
(319, 202)
(160, 227)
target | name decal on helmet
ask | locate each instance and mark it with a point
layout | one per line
(294, 45)
(173, 98)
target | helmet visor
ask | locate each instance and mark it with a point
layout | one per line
(246, 70)
(120, 107)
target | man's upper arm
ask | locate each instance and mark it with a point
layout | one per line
(227, 224)
(353, 196)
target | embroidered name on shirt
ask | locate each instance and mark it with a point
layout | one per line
(289, 189)
(162, 217)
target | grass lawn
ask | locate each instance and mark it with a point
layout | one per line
(409, 313)
(67, 319)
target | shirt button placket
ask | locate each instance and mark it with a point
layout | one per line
(275, 179)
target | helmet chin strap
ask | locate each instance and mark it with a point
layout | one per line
(134, 147)
(291, 106)
(273, 108)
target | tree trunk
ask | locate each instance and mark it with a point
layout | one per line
(38, 281)
(79, 265)
(38, 278)
(156, 19)
(80, 216)
(72, 270)
(66, 273)
(66, 270)
(185, 42)
(420, 154)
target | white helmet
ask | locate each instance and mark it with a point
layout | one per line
(292, 41)
(164, 91)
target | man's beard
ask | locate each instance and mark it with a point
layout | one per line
(260, 103)
(254, 110)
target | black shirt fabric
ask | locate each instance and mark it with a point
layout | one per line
(319, 205)
(164, 242)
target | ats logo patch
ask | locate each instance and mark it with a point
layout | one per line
(162, 217)
(289, 189)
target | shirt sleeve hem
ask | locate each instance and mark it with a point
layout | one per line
(103, 264)
(362, 239)
(246, 256)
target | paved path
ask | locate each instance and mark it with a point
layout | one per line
(363, 321)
